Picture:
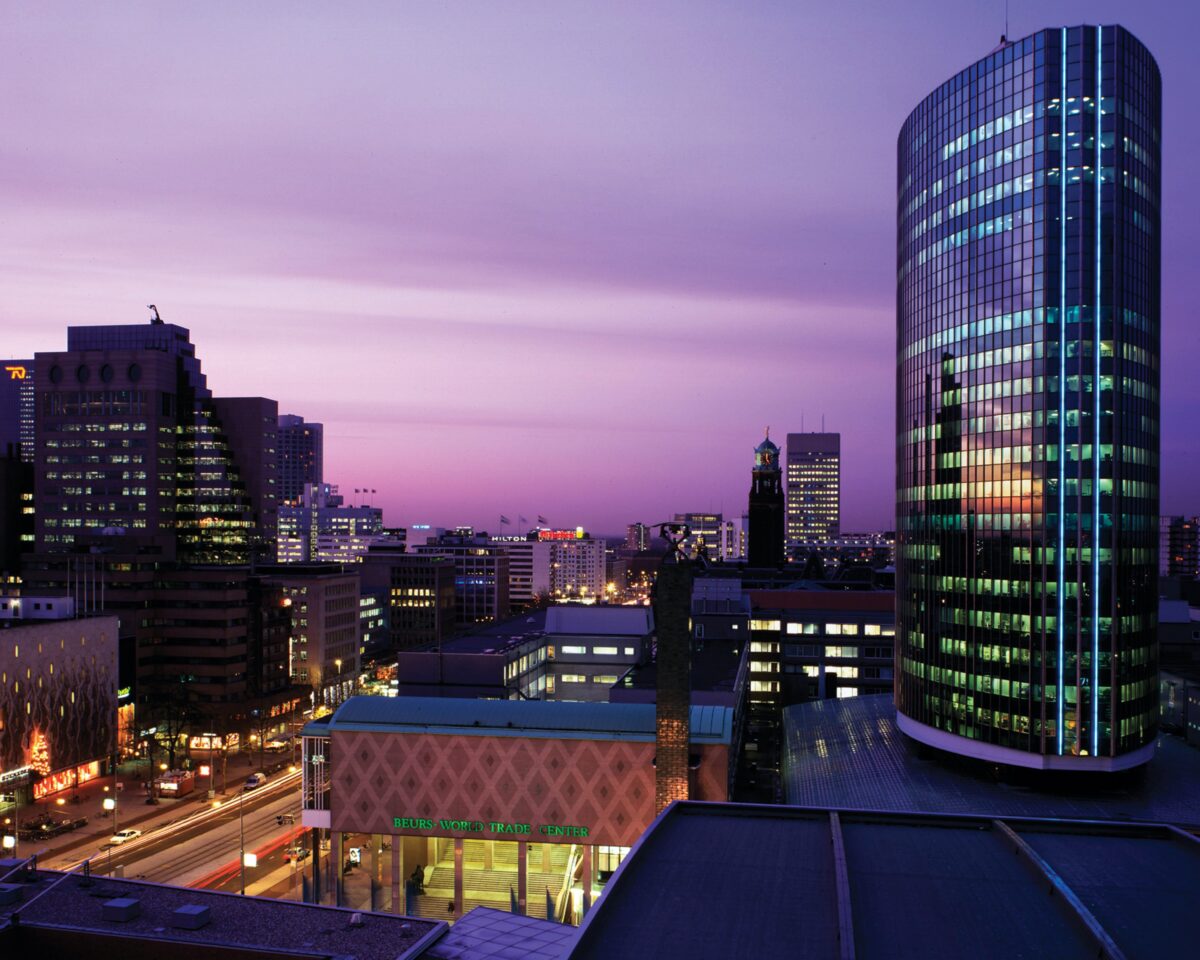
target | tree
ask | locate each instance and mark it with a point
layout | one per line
(39, 753)
(171, 712)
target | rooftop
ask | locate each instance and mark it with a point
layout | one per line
(497, 637)
(545, 719)
(849, 754)
(262, 925)
(604, 621)
(487, 934)
(566, 620)
(712, 880)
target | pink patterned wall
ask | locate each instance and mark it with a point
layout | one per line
(606, 786)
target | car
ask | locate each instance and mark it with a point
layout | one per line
(255, 780)
(296, 854)
(124, 836)
(285, 818)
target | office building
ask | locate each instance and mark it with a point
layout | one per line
(17, 408)
(814, 486)
(637, 537)
(322, 528)
(704, 536)
(301, 456)
(553, 565)
(766, 511)
(1180, 547)
(567, 652)
(480, 576)
(419, 593)
(324, 655)
(16, 515)
(734, 537)
(575, 565)
(133, 451)
(1027, 416)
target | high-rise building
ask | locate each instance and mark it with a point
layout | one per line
(17, 408)
(813, 486)
(637, 537)
(301, 456)
(155, 498)
(1027, 406)
(764, 546)
(733, 537)
(322, 528)
(133, 448)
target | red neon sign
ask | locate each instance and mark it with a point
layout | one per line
(65, 779)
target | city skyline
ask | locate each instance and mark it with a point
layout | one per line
(575, 270)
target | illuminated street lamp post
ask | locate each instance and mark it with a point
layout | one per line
(110, 804)
(242, 836)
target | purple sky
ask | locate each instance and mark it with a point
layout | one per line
(550, 258)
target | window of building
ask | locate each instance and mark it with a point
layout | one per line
(841, 652)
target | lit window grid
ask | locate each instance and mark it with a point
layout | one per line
(981, 330)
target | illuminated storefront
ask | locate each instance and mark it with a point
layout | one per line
(519, 805)
(58, 699)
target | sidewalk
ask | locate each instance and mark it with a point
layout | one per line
(132, 808)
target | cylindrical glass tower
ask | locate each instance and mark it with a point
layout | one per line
(1027, 407)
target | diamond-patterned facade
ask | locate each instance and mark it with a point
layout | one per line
(604, 785)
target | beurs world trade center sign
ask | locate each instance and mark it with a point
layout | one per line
(490, 827)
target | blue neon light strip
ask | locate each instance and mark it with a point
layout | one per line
(1096, 426)
(1060, 552)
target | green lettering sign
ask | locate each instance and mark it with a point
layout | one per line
(499, 828)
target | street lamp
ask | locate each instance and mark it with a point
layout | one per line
(337, 697)
(242, 836)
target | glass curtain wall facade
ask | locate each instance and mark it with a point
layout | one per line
(1028, 405)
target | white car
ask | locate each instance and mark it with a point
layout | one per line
(122, 836)
(255, 780)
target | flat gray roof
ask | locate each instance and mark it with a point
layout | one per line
(710, 881)
(850, 754)
(487, 934)
(56, 900)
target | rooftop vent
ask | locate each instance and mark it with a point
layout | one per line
(122, 909)
(356, 919)
(191, 916)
